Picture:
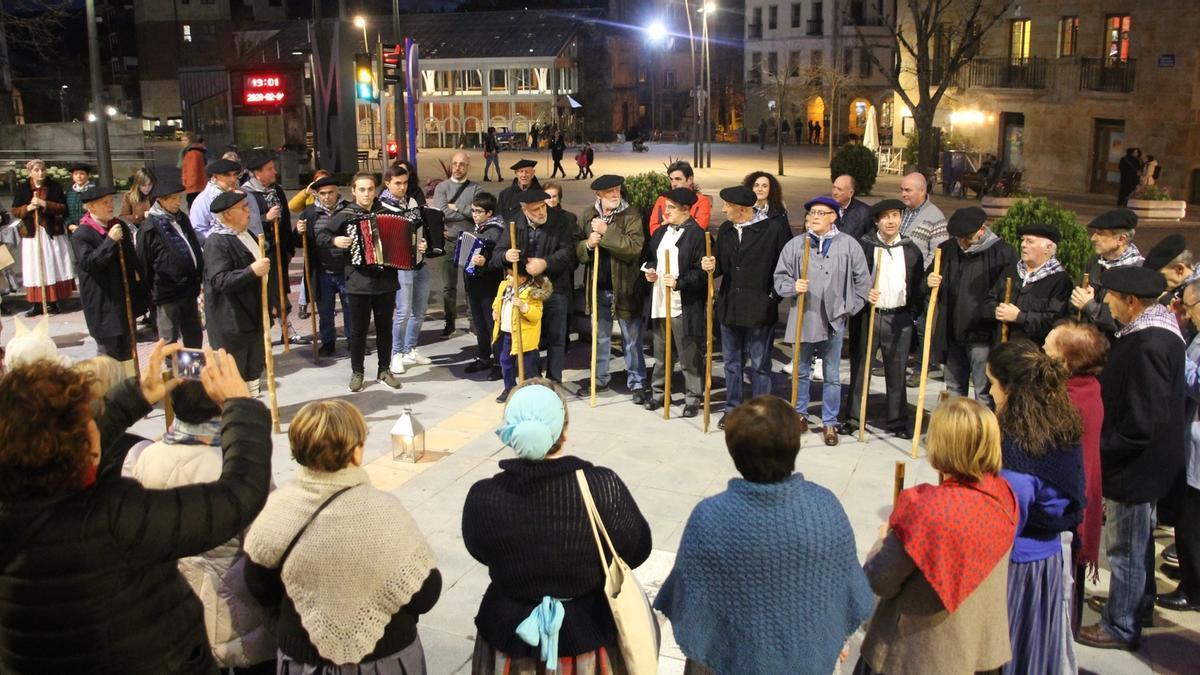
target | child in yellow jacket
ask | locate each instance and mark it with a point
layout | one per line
(526, 303)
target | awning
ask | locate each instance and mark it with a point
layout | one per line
(574, 104)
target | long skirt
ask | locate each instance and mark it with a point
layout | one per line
(407, 661)
(489, 661)
(60, 273)
(1036, 618)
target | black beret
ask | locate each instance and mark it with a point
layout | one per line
(95, 192)
(607, 182)
(226, 200)
(222, 165)
(531, 196)
(1141, 282)
(258, 161)
(681, 195)
(324, 181)
(523, 164)
(885, 206)
(166, 188)
(1040, 230)
(1165, 251)
(739, 195)
(79, 166)
(1117, 219)
(966, 222)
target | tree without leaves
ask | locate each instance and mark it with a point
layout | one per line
(959, 25)
(783, 87)
(38, 31)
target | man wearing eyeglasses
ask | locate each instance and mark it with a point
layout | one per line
(835, 289)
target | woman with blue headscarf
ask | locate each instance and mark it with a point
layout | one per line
(545, 607)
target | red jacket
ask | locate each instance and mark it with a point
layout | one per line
(701, 211)
(194, 178)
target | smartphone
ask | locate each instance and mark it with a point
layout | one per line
(188, 363)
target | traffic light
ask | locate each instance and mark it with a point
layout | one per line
(365, 87)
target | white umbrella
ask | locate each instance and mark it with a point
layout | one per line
(871, 133)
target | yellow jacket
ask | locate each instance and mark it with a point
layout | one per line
(300, 200)
(531, 320)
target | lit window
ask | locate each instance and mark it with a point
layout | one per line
(1068, 34)
(1019, 44)
(187, 33)
(1116, 36)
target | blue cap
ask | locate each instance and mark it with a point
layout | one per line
(827, 201)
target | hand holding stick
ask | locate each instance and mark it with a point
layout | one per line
(667, 351)
(1007, 301)
(799, 328)
(708, 334)
(929, 314)
(312, 294)
(280, 270)
(897, 482)
(265, 282)
(128, 307)
(516, 319)
(1087, 282)
(41, 253)
(866, 369)
(595, 302)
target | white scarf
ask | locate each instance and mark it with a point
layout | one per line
(357, 564)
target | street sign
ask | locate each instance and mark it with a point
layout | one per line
(263, 90)
(1166, 60)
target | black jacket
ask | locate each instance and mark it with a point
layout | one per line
(232, 291)
(1142, 439)
(487, 275)
(1102, 316)
(856, 220)
(692, 282)
(507, 204)
(962, 313)
(747, 297)
(360, 279)
(287, 244)
(914, 275)
(169, 273)
(94, 587)
(325, 256)
(100, 288)
(1042, 304)
(558, 146)
(558, 249)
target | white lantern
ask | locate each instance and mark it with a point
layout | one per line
(408, 438)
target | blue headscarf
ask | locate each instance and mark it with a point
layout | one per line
(533, 421)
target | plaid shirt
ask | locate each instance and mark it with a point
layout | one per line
(1155, 316)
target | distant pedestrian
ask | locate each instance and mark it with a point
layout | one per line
(589, 158)
(796, 128)
(783, 130)
(1150, 170)
(762, 134)
(558, 146)
(812, 133)
(491, 154)
(533, 136)
(1131, 168)
(817, 131)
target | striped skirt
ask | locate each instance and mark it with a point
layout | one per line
(489, 661)
(1036, 618)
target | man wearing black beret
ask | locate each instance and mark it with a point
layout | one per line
(965, 326)
(173, 262)
(1172, 257)
(1041, 287)
(747, 247)
(1141, 445)
(270, 207)
(1112, 240)
(524, 179)
(101, 288)
(612, 229)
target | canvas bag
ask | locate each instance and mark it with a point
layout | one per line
(637, 629)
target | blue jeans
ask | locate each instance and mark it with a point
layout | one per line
(738, 343)
(1129, 545)
(329, 285)
(411, 302)
(966, 365)
(830, 351)
(508, 362)
(631, 337)
(494, 160)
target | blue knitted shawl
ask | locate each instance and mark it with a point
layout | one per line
(766, 580)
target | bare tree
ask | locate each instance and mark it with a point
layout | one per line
(932, 40)
(38, 32)
(782, 87)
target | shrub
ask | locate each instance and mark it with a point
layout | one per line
(1153, 193)
(644, 189)
(859, 162)
(1075, 248)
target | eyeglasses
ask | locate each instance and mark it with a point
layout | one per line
(477, 210)
(820, 213)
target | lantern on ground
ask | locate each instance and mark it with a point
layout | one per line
(408, 438)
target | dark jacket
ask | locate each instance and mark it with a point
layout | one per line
(914, 276)
(558, 146)
(287, 244)
(620, 255)
(232, 291)
(1142, 439)
(692, 282)
(100, 287)
(50, 217)
(1102, 316)
(747, 297)
(169, 273)
(527, 524)
(325, 256)
(487, 276)
(360, 279)
(558, 249)
(507, 204)
(856, 220)
(967, 279)
(1042, 304)
(94, 587)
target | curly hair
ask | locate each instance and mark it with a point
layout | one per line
(775, 196)
(44, 441)
(1038, 413)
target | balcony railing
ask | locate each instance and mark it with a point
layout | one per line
(1102, 74)
(862, 18)
(815, 27)
(1004, 73)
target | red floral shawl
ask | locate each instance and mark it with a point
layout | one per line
(956, 532)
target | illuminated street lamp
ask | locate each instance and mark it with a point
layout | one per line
(360, 22)
(656, 31)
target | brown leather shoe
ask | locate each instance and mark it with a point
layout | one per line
(830, 435)
(1096, 636)
(803, 424)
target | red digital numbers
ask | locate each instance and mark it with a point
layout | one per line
(263, 90)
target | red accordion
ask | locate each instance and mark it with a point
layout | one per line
(386, 240)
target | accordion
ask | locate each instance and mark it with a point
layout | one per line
(386, 240)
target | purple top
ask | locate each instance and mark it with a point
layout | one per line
(1033, 492)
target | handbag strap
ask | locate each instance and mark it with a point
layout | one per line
(594, 519)
(458, 193)
(288, 551)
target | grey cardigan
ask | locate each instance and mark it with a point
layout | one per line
(911, 631)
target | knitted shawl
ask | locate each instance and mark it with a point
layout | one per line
(766, 580)
(1061, 468)
(360, 561)
(956, 532)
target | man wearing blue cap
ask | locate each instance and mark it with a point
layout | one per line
(836, 288)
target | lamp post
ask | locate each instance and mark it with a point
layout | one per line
(361, 23)
(687, 10)
(103, 156)
(62, 102)
(709, 8)
(657, 34)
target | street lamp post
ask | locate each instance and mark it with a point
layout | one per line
(361, 23)
(62, 102)
(103, 156)
(709, 8)
(687, 10)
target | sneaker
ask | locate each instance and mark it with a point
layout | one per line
(386, 377)
(787, 367)
(356, 382)
(397, 364)
(503, 396)
(818, 371)
(415, 358)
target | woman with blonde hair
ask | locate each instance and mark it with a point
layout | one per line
(40, 204)
(342, 560)
(941, 568)
(137, 201)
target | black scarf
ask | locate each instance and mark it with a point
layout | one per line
(1063, 470)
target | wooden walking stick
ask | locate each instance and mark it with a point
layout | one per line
(799, 328)
(266, 319)
(594, 294)
(312, 294)
(1007, 301)
(128, 306)
(897, 482)
(937, 269)
(866, 371)
(667, 334)
(1087, 283)
(516, 319)
(281, 269)
(37, 234)
(708, 336)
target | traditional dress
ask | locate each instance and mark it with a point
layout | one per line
(43, 237)
(683, 245)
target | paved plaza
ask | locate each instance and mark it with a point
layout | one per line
(668, 465)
